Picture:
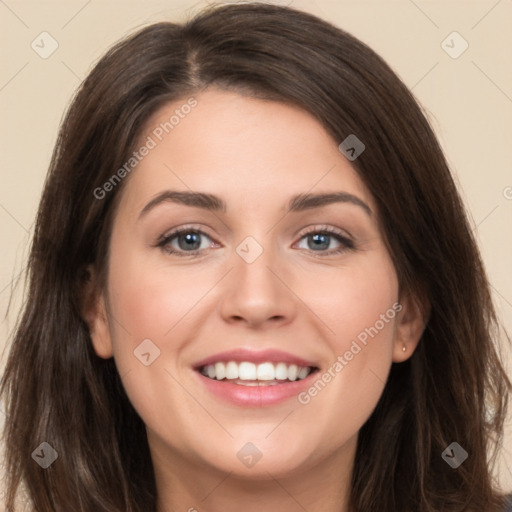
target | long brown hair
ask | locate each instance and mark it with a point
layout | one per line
(453, 388)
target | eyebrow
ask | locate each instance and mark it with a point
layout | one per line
(298, 203)
(188, 198)
(303, 202)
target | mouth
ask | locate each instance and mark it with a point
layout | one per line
(255, 379)
(247, 373)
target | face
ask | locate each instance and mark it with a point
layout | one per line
(250, 295)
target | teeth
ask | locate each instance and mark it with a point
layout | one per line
(220, 371)
(293, 372)
(231, 370)
(247, 371)
(266, 371)
(255, 383)
(281, 371)
(303, 373)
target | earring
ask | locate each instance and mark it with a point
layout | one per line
(404, 348)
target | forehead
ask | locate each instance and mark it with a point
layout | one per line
(253, 153)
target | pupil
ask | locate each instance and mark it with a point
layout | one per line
(191, 241)
(319, 241)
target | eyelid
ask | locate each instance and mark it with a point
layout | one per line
(186, 228)
(319, 228)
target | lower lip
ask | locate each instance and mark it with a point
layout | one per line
(255, 396)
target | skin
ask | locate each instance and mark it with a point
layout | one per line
(255, 155)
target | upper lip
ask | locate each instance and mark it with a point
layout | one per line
(254, 356)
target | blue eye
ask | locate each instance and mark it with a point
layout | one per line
(184, 240)
(322, 241)
(189, 242)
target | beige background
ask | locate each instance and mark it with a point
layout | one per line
(468, 100)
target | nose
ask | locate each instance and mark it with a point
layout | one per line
(258, 294)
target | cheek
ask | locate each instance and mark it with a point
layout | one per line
(147, 300)
(360, 306)
(352, 298)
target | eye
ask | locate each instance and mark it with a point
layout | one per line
(325, 240)
(188, 241)
(185, 241)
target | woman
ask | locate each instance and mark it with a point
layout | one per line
(327, 344)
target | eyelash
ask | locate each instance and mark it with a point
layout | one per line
(346, 243)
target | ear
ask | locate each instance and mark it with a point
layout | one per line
(94, 312)
(410, 324)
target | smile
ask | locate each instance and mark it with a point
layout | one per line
(246, 373)
(249, 378)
